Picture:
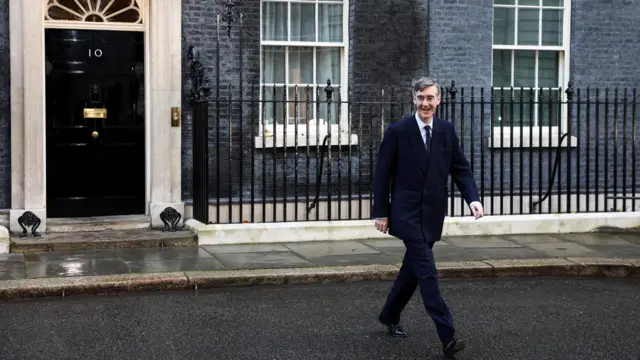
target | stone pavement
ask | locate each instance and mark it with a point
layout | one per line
(96, 262)
(182, 267)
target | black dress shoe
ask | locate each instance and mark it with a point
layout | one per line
(397, 331)
(452, 348)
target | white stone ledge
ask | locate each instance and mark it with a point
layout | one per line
(337, 139)
(5, 240)
(504, 139)
(216, 234)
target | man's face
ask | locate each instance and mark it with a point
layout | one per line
(427, 102)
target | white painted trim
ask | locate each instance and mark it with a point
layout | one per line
(364, 229)
(86, 25)
(343, 137)
(17, 103)
(81, 25)
(505, 138)
(147, 112)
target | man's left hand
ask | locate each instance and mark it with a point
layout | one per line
(476, 209)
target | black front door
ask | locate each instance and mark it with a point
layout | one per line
(95, 122)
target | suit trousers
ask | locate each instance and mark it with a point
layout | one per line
(419, 269)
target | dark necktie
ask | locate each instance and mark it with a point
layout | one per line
(427, 129)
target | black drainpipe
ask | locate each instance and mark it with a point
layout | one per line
(428, 34)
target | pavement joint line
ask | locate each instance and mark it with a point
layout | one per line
(188, 280)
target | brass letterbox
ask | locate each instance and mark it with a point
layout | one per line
(94, 113)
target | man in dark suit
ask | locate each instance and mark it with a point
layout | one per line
(416, 156)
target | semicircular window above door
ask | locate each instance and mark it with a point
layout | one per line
(100, 11)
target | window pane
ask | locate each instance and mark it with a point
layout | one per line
(549, 107)
(503, 26)
(324, 113)
(504, 2)
(528, 26)
(273, 105)
(552, 27)
(330, 22)
(528, 2)
(303, 22)
(328, 65)
(274, 21)
(273, 65)
(507, 109)
(548, 62)
(524, 74)
(501, 68)
(552, 2)
(513, 115)
(304, 109)
(300, 65)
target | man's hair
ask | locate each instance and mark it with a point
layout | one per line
(424, 82)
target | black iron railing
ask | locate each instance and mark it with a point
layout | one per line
(532, 150)
(280, 153)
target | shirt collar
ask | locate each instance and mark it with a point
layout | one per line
(422, 124)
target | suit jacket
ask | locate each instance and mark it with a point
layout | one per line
(410, 188)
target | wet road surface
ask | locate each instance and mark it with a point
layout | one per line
(586, 319)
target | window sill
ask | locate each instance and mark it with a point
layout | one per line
(529, 139)
(337, 139)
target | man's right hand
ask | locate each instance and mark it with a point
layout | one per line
(381, 225)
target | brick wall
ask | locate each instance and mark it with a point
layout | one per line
(460, 41)
(5, 108)
(605, 44)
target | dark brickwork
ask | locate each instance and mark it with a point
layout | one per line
(460, 40)
(605, 43)
(5, 108)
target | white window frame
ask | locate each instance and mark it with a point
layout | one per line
(340, 134)
(508, 136)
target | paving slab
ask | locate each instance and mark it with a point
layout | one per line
(263, 260)
(383, 243)
(593, 239)
(355, 259)
(315, 249)
(454, 253)
(481, 242)
(532, 238)
(633, 238)
(197, 264)
(76, 268)
(562, 249)
(503, 253)
(248, 248)
(619, 251)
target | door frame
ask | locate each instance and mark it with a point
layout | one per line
(162, 27)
